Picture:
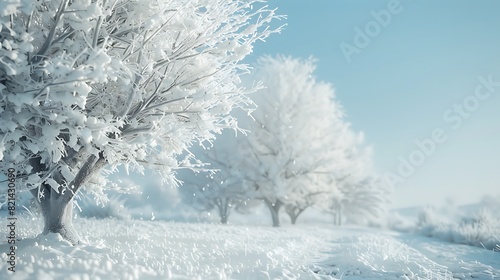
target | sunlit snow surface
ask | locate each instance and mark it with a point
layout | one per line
(134, 249)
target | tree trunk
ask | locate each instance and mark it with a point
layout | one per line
(223, 220)
(57, 206)
(274, 208)
(293, 212)
(337, 215)
(340, 215)
(224, 209)
(58, 218)
(296, 216)
(223, 213)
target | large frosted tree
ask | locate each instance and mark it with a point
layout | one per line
(299, 138)
(91, 84)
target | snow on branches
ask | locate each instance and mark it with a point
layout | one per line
(93, 83)
(123, 82)
(301, 150)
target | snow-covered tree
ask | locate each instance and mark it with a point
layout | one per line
(101, 83)
(359, 195)
(305, 197)
(365, 200)
(299, 138)
(226, 186)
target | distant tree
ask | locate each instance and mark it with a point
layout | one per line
(301, 197)
(358, 196)
(226, 186)
(295, 209)
(88, 84)
(363, 201)
(298, 139)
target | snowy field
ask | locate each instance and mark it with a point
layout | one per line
(132, 249)
(90, 90)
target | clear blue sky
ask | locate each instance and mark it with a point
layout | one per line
(404, 83)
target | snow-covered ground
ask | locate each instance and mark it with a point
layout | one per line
(133, 249)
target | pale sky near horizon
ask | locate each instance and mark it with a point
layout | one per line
(417, 72)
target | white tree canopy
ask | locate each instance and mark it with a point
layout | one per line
(298, 131)
(300, 147)
(129, 82)
(92, 83)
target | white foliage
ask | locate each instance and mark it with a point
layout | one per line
(300, 144)
(129, 82)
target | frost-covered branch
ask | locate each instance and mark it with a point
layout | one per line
(90, 84)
